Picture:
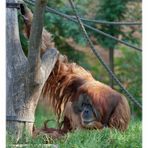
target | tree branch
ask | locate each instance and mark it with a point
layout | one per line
(49, 59)
(35, 40)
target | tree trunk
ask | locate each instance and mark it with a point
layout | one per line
(25, 77)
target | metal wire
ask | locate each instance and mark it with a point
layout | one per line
(101, 60)
(19, 119)
(13, 5)
(51, 10)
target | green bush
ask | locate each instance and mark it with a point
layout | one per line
(110, 11)
(129, 70)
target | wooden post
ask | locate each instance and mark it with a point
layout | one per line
(25, 76)
(111, 64)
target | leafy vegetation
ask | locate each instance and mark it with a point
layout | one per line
(110, 11)
(129, 70)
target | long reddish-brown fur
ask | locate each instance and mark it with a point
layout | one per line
(68, 80)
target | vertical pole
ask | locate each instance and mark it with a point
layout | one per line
(111, 64)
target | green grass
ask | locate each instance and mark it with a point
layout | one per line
(106, 138)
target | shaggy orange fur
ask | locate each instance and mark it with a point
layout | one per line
(68, 80)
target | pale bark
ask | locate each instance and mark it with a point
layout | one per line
(25, 76)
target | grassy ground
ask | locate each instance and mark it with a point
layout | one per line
(106, 138)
